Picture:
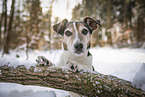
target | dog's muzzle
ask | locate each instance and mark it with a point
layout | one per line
(78, 48)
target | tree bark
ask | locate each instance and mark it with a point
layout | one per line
(109, 36)
(109, 14)
(5, 21)
(49, 26)
(9, 32)
(83, 83)
(1, 21)
(125, 14)
(50, 23)
(140, 29)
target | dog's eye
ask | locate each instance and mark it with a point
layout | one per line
(85, 31)
(68, 33)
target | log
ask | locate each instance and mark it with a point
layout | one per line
(83, 83)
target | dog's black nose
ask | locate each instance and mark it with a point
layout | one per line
(78, 46)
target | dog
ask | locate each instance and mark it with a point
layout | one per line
(76, 42)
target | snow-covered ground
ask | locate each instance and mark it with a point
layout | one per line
(17, 90)
(123, 63)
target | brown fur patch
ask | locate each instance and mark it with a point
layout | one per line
(89, 45)
(65, 46)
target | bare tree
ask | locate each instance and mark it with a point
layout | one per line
(49, 27)
(9, 32)
(109, 36)
(5, 23)
(125, 14)
(1, 22)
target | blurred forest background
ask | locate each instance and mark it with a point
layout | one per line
(24, 25)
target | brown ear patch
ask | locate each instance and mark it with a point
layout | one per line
(91, 23)
(55, 27)
(65, 46)
(60, 27)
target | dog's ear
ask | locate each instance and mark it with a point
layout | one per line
(60, 27)
(91, 23)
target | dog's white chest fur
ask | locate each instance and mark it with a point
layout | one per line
(83, 62)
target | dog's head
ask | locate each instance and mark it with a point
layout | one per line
(77, 35)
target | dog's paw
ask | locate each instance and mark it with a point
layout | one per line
(73, 67)
(42, 61)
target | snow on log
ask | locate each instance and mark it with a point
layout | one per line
(83, 83)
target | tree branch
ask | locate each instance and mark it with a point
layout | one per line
(84, 83)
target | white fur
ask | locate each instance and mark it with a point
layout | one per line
(77, 34)
(83, 62)
(75, 30)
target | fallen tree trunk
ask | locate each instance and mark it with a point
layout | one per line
(84, 83)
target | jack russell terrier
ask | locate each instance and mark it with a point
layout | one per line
(76, 41)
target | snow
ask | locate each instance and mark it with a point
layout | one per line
(139, 78)
(12, 59)
(17, 90)
(124, 63)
